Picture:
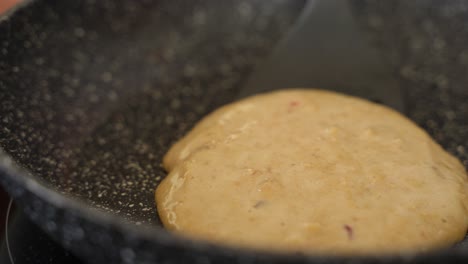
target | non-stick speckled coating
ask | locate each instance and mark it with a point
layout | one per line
(93, 93)
(97, 91)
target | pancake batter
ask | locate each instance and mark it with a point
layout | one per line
(313, 171)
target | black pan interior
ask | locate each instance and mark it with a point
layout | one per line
(426, 41)
(93, 92)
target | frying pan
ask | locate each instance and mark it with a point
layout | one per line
(94, 92)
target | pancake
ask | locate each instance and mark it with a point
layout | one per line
(313, 171)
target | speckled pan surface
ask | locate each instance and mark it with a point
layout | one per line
(93, 93)
(97, 90)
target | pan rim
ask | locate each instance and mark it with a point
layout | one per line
(155, 234)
